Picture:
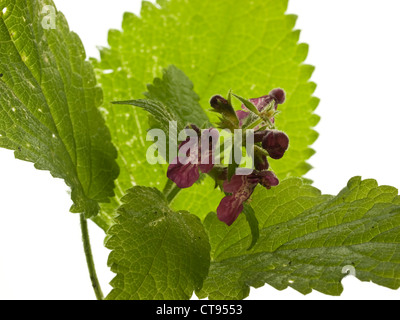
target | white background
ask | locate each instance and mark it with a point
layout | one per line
(355, 46)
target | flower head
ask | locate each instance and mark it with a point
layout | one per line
(197, 153)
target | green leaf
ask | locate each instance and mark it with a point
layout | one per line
(250, 46)
(169, 99)
(307, 240)
(156, 253)
(49, 103)
(201, 199)
(176, 91)
(160, 112)
(163, 119)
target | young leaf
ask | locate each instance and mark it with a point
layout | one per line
(216, 56)
(175, 90)
(156, 253)
(171, 98)
(307, 240)
(248, 104)
(49, 104)
(162, 115)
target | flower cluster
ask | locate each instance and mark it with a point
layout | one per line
(269, 142)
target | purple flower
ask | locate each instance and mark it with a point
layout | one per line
(241, 188)
(277, 95)
(185, 169)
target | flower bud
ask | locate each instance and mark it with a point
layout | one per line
(219, 103)
(229, 119)
(269, 179)
(278, 95)
(276, 143)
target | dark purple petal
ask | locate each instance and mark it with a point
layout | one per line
(235, 184)
(184, 170)
(276, 143)
(184, 176)
(269, 179)
(261, 102)
(207, 161)
(229, 209)
(219, 103)
(206, 168)
(259, 135)
(241, 187)
(242, 115)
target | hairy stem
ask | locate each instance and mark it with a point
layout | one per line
(89, 258)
